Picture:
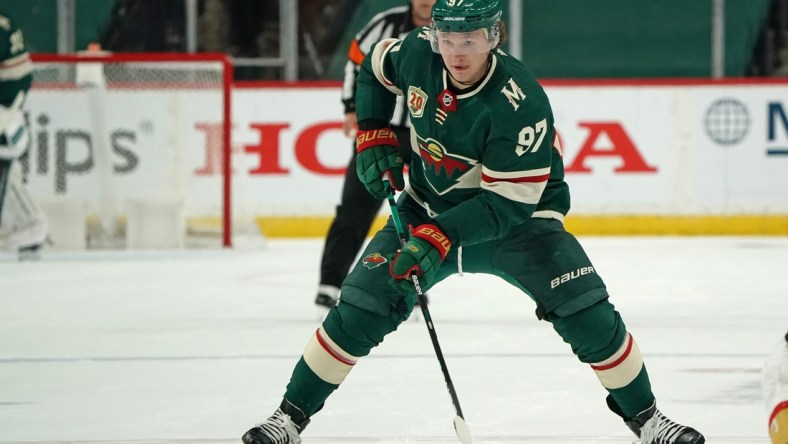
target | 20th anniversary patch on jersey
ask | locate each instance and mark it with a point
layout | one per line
(417, 100)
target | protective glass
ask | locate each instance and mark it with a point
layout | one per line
(458, 43)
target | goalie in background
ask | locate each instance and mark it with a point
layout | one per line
(775, 391)
(23, 227)
(357, 208)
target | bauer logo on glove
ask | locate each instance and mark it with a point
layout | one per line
(378, 156)
(435, 235)
(376, 137)
(422, 254)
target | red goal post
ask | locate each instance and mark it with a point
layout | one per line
(205, 78)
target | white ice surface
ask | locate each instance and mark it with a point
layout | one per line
(196, 346)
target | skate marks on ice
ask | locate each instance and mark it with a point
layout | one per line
(195, 347)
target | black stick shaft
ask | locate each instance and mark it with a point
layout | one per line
(424, 310)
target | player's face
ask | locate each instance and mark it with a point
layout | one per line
(422, 11)
(464, 53)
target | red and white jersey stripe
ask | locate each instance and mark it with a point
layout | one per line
(520, 186)
(378, 56)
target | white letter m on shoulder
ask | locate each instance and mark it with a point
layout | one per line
(515, 95)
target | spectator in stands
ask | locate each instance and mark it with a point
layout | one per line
(146, 26)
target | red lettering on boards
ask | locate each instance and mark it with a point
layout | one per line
(623, 148)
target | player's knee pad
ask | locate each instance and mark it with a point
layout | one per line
(595, 332)
(358, 330)
(369, 289)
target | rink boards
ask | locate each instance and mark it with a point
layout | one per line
(641, 157)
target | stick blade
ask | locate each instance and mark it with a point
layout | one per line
(462, 430)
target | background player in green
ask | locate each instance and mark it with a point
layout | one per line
(486, 195)
(22, 224)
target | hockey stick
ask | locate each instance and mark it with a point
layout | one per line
(460, 427)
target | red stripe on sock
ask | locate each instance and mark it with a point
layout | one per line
(331, 351)
(600, 368)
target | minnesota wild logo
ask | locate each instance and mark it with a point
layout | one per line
(374, 260)
(442, 169)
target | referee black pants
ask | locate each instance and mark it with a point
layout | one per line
(354, 216)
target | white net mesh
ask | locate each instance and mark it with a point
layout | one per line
(137, 144)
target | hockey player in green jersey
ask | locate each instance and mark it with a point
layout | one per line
(486, 194)
(23, 226)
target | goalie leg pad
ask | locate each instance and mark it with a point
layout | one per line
(14, 132)
(21, 220)
(5, 173)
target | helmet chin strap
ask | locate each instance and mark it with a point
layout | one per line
(470, 84)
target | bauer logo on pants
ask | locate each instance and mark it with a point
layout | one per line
(374, 260)
(566, 277)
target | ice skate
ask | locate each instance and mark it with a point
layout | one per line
(30, 253)
(325, 301)
(652, 427)
(283, 427)
(327, 296)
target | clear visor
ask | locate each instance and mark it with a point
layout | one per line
(459, 43)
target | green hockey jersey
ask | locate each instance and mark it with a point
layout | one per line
(485, 160)
(15, 65)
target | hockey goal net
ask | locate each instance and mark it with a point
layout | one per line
(136, 144)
